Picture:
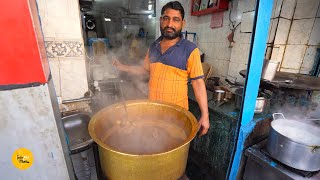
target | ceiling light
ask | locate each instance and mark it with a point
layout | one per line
(149, 16)
(107, 19)
(149, 7)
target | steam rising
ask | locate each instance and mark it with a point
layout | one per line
(109, 80)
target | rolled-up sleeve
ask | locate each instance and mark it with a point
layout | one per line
(194, 66)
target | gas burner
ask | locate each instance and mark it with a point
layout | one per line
(260, 165)
(306, 174)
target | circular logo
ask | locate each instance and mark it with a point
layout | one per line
(22, 158)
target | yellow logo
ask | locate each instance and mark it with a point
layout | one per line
(22, 158)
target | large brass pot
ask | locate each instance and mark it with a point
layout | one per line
(166, 165)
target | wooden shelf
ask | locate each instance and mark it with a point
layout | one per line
(220, 6)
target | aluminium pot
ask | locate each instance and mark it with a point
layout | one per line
(116, 164)
(262, 103)
(294, 143)
(269, 70)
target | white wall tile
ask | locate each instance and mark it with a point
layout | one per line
(268, 52)
(293, 56)
(216, 35)
(224, 32)
(306, 9)
(276, 8)
(204, 47)
(55, 72)
(309, 57)
(57, 9)
(46, 27)
(209, 50)
(277, 53)
(240, 53)
(241, 37)
(274, 53)
(296, 71)
(73, 78)
(247, 21)
(282, 31)
(272, 29)
(247, 5)
(223, 67)
(223, 53)
(315, 33)
(215, 65)
(235, 68)
(60, 18)
(300, 31)
(287, 9)
(318, 13)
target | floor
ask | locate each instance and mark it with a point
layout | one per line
(84, 170)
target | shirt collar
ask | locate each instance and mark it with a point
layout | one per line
(161, 37)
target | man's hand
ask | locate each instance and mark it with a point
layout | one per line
(200, 92)
(117, 64)
(204, 125)
(138, 70)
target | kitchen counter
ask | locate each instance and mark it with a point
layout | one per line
(298, 81)
(212, 152)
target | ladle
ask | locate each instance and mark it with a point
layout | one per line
(122, 123)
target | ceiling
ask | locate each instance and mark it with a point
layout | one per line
(117, 7)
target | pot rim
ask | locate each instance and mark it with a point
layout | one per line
(194, 130)
(290, 139)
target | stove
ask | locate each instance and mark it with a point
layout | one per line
(261, 166)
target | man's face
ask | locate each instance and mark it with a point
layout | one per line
(171, 24)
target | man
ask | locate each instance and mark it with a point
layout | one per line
(170, 60)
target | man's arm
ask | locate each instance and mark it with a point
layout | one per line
(142, 69)
(200, 92)
(130, 69)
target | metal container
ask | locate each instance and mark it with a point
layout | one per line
(117, 165)
(76, 129)
(295, 144)
(269, 70)
(219, 95)
(262, 103)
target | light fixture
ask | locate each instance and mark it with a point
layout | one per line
(107, 19)
(149, 16)
(150, 5)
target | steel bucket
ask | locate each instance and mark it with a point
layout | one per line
(294, 143)
(119, 165)
(262, 103)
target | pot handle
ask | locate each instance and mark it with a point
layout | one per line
(274, 116)
(315, 149)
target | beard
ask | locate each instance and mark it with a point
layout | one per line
(170, 35)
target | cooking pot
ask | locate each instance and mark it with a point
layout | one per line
(269, 70)
(294, 143)
(117, 163)
(262, 102)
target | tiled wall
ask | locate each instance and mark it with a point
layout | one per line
(227, 59)
(294, 34)
(293, 38)
(61, 26)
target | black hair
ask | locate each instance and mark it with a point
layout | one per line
(173, 5)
